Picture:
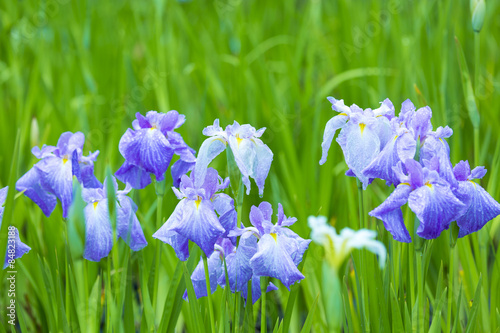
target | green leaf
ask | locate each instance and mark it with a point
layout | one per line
(397, 321)
(193, 302)
(436, 320)
(470, 100)
(471, 320)
(309, 320)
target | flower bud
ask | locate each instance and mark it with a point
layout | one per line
(478, 9)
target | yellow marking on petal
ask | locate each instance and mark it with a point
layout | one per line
(404, 184)
(380, 115)
(65, 160)
(343, 114)
(223, 141)
(428, 184)
(362, 127)
(274, 236)
(473, 183)
(198, 201)
(238, 139)
(95, 204)
(395, 138)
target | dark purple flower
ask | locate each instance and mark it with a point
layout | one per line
(15, 248)
(99, 234)
(52, 176)
(429, 196)
(480, 206)
(150, 146)
(195, 216)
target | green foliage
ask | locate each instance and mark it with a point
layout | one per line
(91, 65)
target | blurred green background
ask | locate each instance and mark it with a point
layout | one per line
(91, 65)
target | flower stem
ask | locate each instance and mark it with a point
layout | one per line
(209, 292)
(158, 254)
(361, 205)
(263, 288)
(420, 290)
(451, 274)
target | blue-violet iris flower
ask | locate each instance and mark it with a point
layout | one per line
(252, 156)
(195, 216)
(52, 176)
(19, 248)
(148, 149)
(99, 234)
(428, 195)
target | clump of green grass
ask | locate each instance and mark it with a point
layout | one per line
(89, 66)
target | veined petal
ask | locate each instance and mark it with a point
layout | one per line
(406, 147)
(210, 148)
(56, 174)
(215, 269)
(179, 169)
(199, 223)
(239, 271)
(261, 166)
(436, 207)
(481, 207)
(244, 151)
(150, 149)
(390, 213)
(332, 126)
(31, 184)
(179, 243)
(136, 176)
(127, 225)
(272, 259)
(98, 233)
(20, 248)
(361, 145)
(382, 166)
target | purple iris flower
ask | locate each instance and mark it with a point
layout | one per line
(429, 196)
(279, 250)
(216, 270)
(52, 176)
(149, 148)
(239, 269)
(363, 134)
(480, 206)
(195, 216)
(99, 234)
(20, 248)
(252, 156)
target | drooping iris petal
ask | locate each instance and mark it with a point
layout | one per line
(151, 150)
(406, 147)
(436, 207)
(239, 271)
(481, 207)
(381, 166)
(272, 259)
(360, 145)
(166, 234)
(210, 148)
(332, 126)
(136, 176)
(199, 223)
(128, 227)
(20, 248)
(179, 169)
(98, 233)
(31, 184)
(57, 176)
(261, 165)
(390, 213)
(215, 269)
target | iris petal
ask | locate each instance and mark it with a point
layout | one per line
(98, 234)
(332, 126)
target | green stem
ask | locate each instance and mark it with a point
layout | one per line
(361, 205)
(158, 255)
(420, 290)
(263, 288)
(476, 84)
(209, 292)
(451, 274)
